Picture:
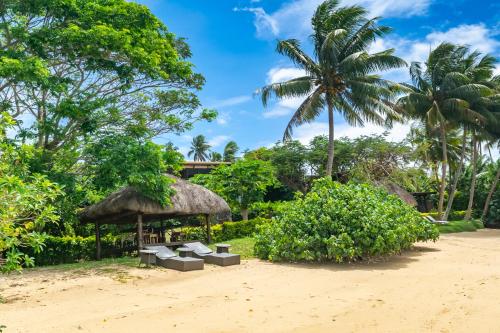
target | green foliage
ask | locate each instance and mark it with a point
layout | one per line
(226, 231)
(25, 204)
(230, 151)
(336, 222)
(240, 184)
(118, 160)
(267, 209)
(460, 226)
(493, 217)
(70, 249)
(77, 67)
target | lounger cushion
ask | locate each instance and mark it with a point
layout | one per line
(198, 248)
(163, 251)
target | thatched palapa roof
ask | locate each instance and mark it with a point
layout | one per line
(399, 191)
(123, 206)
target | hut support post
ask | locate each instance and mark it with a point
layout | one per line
(140, 239)
(207, 220)
(98, 241)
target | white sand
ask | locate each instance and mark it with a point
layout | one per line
(449, 286)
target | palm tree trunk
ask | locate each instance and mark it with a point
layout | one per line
(472, 190)
(329, 164)
(458, 174)
(490, 195)
(444, 165)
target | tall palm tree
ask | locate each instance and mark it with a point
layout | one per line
(199, 148)
(340, 77)
(473, 68)
(230, 151)
(439, 98)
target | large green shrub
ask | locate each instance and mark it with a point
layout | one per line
(226, 231)
(336, 222)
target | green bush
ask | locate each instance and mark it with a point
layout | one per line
(493, 218)
(454, 215)
(225, 231)
(336, 222)
(69, 249)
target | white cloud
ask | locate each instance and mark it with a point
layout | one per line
(283, 107)
(223, 118)
(277, 112)
(293, 19)
(218, 140)
(265, 25)
(280, 74)
(477, 36)
(230, 101)
(307, 132)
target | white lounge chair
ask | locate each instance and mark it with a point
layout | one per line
(432, 220)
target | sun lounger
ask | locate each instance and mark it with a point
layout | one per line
(168, 259)
(221, 258)
(432, 220)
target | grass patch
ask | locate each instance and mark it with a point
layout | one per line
(241, 246)
(460, 226)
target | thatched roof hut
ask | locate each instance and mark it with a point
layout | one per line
(122, 207)
(129, 206)
(395, 189)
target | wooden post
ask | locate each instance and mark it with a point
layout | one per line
(98, 241)
(207, 220)
(140, 240)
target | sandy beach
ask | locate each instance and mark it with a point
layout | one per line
(452, 285)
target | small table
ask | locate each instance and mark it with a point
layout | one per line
(148, 257)
(223, 248)
(185, 252)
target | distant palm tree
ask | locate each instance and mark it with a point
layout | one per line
(441, 97)
(341, 77)
(230, 151)
(215, 156)
(199, 148)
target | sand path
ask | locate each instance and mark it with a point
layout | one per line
(449, 286)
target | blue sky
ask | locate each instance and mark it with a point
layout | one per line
(233, 44)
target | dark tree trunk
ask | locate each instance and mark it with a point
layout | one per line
(490, 195)
(444, 165)
(458, 174)
(329, 164)
(472, 190)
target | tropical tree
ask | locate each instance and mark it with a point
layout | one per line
(199, 148)
(230, 151)
(439, 97)
(341, 76)
(241, 184)
(215, 156)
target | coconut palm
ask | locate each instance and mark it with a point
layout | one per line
(439, 97)
(230, 151)
(199, 148)
(340, 77)
(473, 69)
(215, 156)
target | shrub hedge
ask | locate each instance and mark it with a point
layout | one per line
(226, 231)
(69, 249)
(336, 222)
(454, 215)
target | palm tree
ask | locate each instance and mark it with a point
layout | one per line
(215, 156)
(199, 148)
(439, 98)
(230, 151)
(341, 76)
(473, 69)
